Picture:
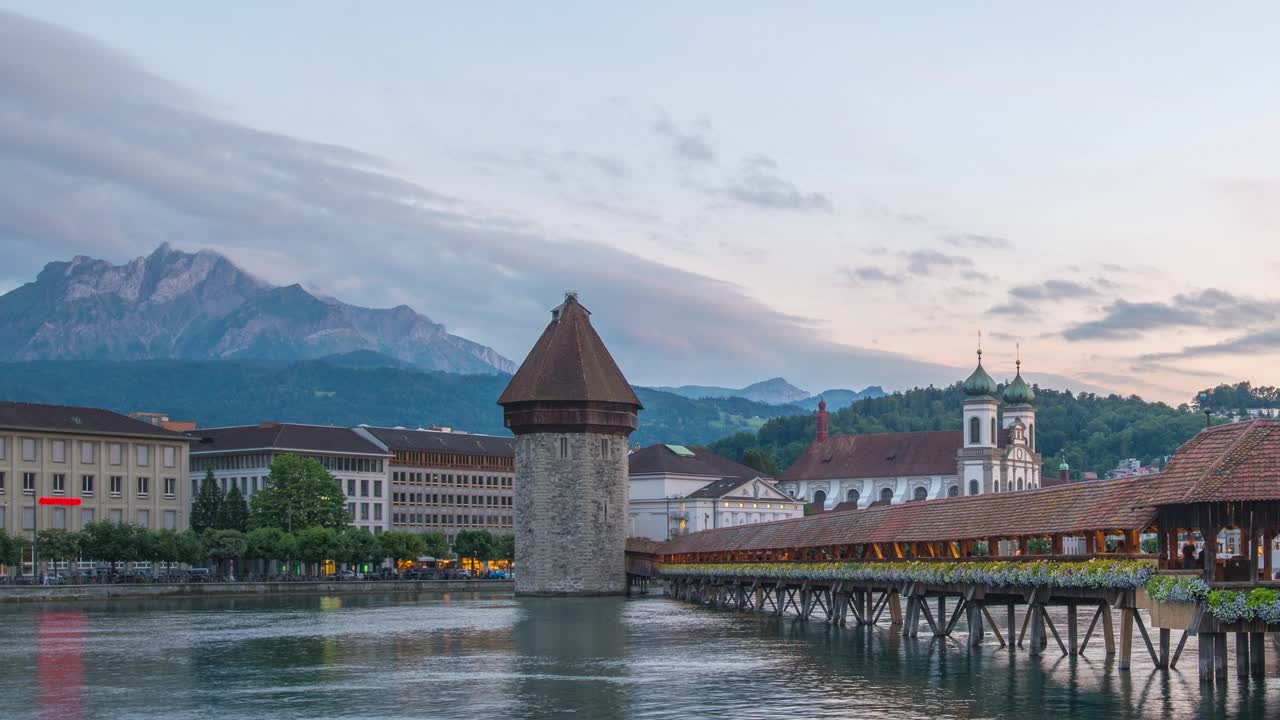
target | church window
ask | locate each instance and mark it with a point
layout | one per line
(973, 487)
(997, 486)
(993, 432)
(975, 432)
(1033, 436)
(1019, 483)
(886, 495)
(820, 498)
(953, 491)
(919, 494)
(851, 496)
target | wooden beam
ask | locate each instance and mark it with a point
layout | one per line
(1242, 655)
(994, 627)
(1142, 628)
(1049, 623)
(1072, 630)
(1192, 629)
(1204, 641)
(1089, 632)
(1257, 653)
(1126, 640)
(1108, 631)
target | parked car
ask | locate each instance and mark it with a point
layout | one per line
(198, 575)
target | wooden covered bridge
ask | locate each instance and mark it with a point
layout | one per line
(985, 556)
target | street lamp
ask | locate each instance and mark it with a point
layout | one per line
(1204, 405)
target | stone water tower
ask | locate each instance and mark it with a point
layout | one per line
(571, 411)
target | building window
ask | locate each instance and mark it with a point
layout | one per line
(116, 485)
(115, 453)
(86, 453)
(28, 450)
(564, 448)
(364, 511)
(28, 483)
(58, 451)
(919, 494)
(377, 511)
(820, 499)
(170, 487)
(59, 483)
(28, 518)
(973, 487)
(377, 488)
(604, 447)
(4, 448)
(144, 518)
(851, 496)
(364, 488)
(59, 518)
(953, 491)
(351, 488)
(993, 432)
(117, 516)
(86, 516)
(1019, 483)
(144, 486)
(886, 495)
(352, 508)
(170, 519)
(170, 456)
(142, 455)
(975, 431)
(2, 483)
(1032, 432)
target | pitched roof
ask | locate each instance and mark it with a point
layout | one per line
(569, 363)
(879, 455)
(448, 442)
(74, 419)
(284, 436)
(1075, 508)
(662, 459)
(1238, 461)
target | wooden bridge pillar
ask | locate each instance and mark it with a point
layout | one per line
(1072, 631)
(1035, 615)
(1257, 653)
(1164, 648)
(1242, 656)
(1126, 640)
(1013, 627)
(1205, 642)
(1220, 658)
(1108, 631)
(973, 609)
(895, 609)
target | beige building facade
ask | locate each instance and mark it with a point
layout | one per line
(121, 469)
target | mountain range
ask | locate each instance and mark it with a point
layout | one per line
(345, 390)
(201, 306)
(777, 391)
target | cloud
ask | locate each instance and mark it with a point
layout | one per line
(1013, 309)
(759, 185)
(925, 262)
(1053, 290)
(1210, 308)
(690, 146)
(1256, 343)
(868, 275)
(99, 156)
(977, 242)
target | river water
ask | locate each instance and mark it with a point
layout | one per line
(494, 656)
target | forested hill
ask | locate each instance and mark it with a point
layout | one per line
(342, 390)
(1092, 432)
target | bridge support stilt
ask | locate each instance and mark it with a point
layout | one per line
(1108, 631)
(1126, 640)
(1073, 631)
(1257, 655)
(1205, 643)
(1242, 656)
(1220, 659)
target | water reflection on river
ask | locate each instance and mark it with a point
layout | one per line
(478, 656)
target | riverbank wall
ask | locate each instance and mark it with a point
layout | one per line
(39, 593)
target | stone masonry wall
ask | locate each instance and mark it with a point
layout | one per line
(571, 514)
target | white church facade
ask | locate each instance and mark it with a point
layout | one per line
(995, 451)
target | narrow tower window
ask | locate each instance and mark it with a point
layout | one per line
(564, 448)
(993, 432)
(973, 487)
(975, 431)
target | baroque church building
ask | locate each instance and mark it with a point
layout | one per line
(994, 452)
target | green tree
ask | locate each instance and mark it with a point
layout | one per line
(224, 545)
(504, 547)
(760, 460)
(435, 545)
(476, 545)
(189, 548)
(362, 546)
(316, 544)
(233, 513)
(207, 504)
(163, 546)
(297, 494)
(11, 548)
(58, 545)
(402, 546)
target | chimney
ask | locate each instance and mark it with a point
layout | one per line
(1064, 476)
(822, 421)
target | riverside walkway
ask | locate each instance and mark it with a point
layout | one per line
(986, 560)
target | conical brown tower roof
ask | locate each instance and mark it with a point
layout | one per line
(569, 363)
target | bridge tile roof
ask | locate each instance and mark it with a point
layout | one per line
(1234, 462)
(1074, 508)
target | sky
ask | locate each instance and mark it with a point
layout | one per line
(842, 194)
